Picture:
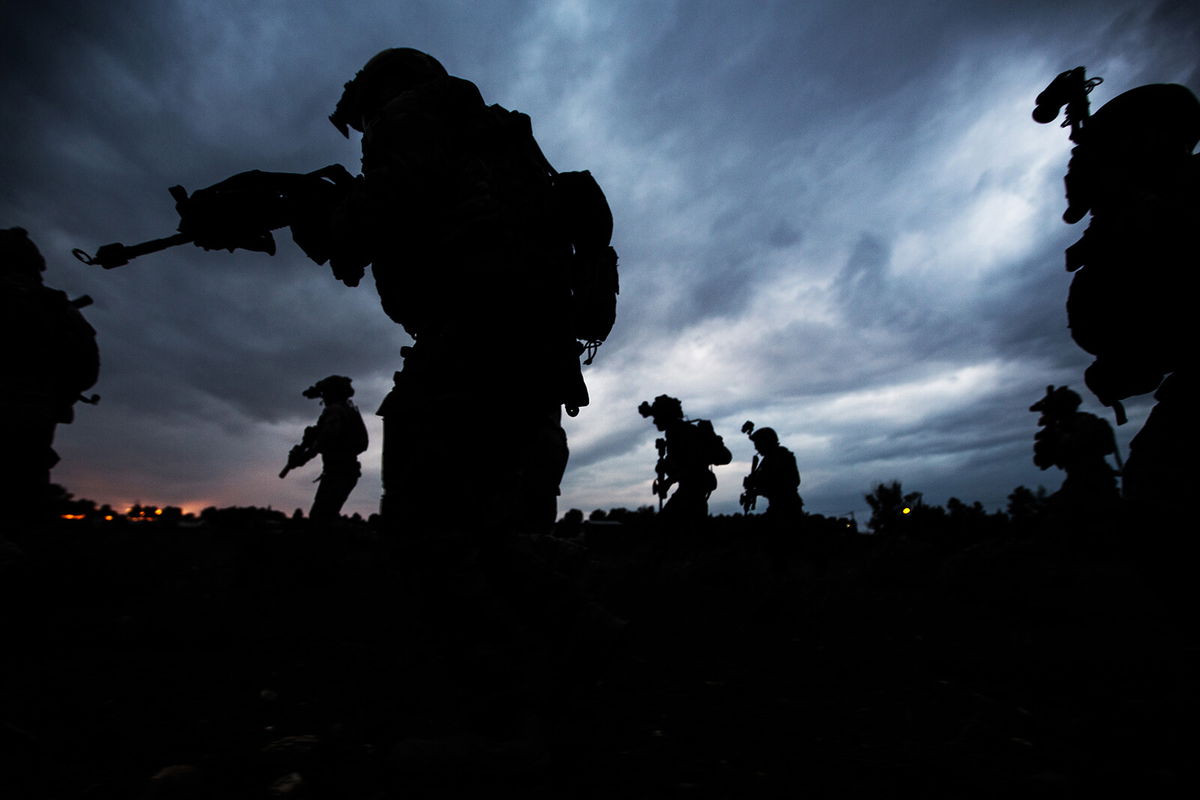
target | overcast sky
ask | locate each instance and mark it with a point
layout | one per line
(836, 219)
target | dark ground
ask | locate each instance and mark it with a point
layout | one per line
(282, 661)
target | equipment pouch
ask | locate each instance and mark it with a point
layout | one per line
(594, 290)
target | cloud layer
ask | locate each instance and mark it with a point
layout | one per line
(836, 219)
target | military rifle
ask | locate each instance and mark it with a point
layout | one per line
(749, 498)
(302, 453)
(661, 483)
(241, 212)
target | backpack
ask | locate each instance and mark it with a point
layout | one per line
(358, 432)
(586, 221)
(715, 451)
(580, 215)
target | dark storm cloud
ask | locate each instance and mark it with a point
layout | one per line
(615, 444)
(862, 286)
(1165, 36)
(747, 90)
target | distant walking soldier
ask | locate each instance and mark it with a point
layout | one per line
(688, 451)
(773, 476)
(49, 358)
(1077, 443)
(338, 437)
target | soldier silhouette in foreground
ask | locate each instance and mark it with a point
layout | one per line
(1130, 303)
(501, 270)
(50, 358)
(338, 437)
(498, 266)
(1077, 443)
(687, 453)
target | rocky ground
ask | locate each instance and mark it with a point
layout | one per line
(150, 661)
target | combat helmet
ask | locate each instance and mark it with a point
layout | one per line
(664, 407)
(335, 387)
(765, 437)
(18, 252)
(389, 73)
(1157, 117)
(1058, 401)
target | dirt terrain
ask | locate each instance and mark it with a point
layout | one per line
(257, 660)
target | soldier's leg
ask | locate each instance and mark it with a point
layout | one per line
(426, 467)
(391, 468)
(541, 466)
(428, 474)
(450, 460)
(332, 493)
(688, 505)
(25, 487)
(1160, 473)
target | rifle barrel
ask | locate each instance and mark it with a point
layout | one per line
(116, 254)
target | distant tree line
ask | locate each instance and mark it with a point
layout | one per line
(894, 512)
(65, 506)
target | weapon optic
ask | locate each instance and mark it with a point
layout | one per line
(1069, 89)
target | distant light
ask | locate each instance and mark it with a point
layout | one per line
(906, 510)
(108, 517)
(157, 511)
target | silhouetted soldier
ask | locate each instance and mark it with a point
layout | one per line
(687, 452)
(1130, 302)
(50, 357)
(501, 269)
(479, 249)
(773, 476)
(1078, 443)
(338, 437)
(497, 265)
